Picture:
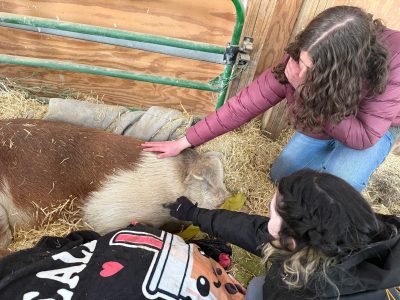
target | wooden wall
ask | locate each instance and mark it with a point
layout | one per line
(204, 21)
(272, 23)
(388, 11)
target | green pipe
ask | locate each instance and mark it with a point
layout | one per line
(66, 66)
(224, 88)
(108, 32)
(173, 51)
(237, 32)
(132, 36)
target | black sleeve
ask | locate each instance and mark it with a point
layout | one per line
(249, 232)
(47, 246)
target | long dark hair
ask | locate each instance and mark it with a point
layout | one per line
(328, 219)
(343, 43)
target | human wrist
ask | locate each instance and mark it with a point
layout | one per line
(195, 216)
(184, 143)
(192, 212)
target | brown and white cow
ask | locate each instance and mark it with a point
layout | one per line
(43, 162)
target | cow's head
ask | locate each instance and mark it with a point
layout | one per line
(204, 182)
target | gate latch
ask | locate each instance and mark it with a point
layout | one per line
(242, 54)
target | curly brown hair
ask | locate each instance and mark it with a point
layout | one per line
(348, 59)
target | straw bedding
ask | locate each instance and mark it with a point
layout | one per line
(247, 153)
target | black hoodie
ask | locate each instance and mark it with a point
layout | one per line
(133, 263)
(78, 266)
(366, 274)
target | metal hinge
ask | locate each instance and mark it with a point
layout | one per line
(241, 54)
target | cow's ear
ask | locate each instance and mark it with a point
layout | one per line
(208, 168)
(193, 175)
(214, 154)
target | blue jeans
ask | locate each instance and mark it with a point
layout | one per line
(255, 288)
(331, 156)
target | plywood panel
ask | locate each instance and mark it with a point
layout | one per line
(33, 44)
(111, 90)
(205, 21)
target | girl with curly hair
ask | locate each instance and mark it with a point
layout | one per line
(341, 79)
(321, 241)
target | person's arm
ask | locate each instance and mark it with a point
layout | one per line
(249, 232)
(263, 93)
(167, 148)
(374, 117)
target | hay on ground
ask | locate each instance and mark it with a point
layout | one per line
(247, 157)
(58, 220)
(383, 191)
(16, 103)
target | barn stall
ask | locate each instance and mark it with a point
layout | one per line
(180, 55)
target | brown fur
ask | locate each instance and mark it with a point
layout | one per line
(44, 162)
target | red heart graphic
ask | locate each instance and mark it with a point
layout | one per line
(111, 268)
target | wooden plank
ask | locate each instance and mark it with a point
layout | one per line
(257, 23)
(273, 121)
(206, 21)
(387, 10)
(267, 22)
(53, 83)
(279, 33)
(285, 16)
(308, 10)
(33, 44)
(124, 92)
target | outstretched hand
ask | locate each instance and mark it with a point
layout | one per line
(182, 209)
(167, 148)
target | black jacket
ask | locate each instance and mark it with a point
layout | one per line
(133, 263)
(369, 272)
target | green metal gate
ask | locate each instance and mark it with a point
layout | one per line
(171, 46)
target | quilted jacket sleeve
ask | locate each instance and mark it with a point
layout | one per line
(263, 93)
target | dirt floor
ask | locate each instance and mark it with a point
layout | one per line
(248, 155)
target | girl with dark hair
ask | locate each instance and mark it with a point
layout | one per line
(341, 79)
(322, 241)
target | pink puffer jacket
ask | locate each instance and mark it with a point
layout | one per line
(372, 121)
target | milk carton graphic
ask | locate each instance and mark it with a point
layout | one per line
(177, 270)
